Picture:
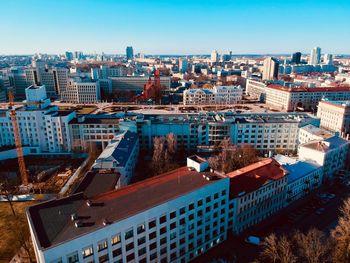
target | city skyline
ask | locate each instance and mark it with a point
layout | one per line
(156, 27)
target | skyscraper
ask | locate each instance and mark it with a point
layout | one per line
(296, 58)
(129, 53)
(183, 65)
(214, 56)
(315, 57)
(270, 70)
(328, 59)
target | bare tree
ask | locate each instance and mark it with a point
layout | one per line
(313, 247)
(341, 235)
(171, 144)
(158, 158)
(277, 250)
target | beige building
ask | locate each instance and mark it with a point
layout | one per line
(335, 116)
(270, 70)
(301, 98)
(256, 89)
(81, 92)
(311, 132)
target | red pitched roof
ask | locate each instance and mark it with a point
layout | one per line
(252, 177)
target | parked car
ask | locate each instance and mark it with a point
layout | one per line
(253, 240)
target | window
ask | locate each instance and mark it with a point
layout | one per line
(182, 210)
(173, 215)
(140, 228)
(73, 258)
(115, 239)
(103, 258)
(130, 257)
(129, 233)
(142, 251)
(152, 224)
(117, 252)
(88, 251)
(191, 207)
(141, 240)
(152, 235)
(162, 219)
(153, 246)
(102, 245)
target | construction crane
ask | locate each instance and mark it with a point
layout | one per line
(16, 135)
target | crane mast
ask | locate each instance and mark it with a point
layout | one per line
(18, 144)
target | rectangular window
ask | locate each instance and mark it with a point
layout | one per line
(129, 233)
(117, 252)
(115, 239)
(88, 251)
(73, 258)
(152, 224)
(140, 228)
(141, 241)
(102, 245)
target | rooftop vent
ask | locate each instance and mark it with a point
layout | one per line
(74, 217)
(78, 224)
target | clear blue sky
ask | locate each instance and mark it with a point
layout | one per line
(174, 27)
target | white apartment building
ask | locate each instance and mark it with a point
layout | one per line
(120, 155)
(270, 69)
(216, 95)
(257, 191)
(311, 133)
(256, 89)
(301, 98)
(331, 153)
(303, 178)
(174, 217)
(82, 92)
(40, 125)
(335, 116)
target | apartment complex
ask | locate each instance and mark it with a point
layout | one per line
(216, 95)
(291, 99)
(187, 216)
(335, 116)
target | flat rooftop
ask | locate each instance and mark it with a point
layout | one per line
(326, 145)
(51, 220)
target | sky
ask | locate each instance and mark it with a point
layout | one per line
(174, 27)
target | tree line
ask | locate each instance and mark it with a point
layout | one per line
(313, 246)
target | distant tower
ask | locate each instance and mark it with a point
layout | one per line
(129, 53)
(214, 56)
(296, 58)
(270, 70)
(328, 59)
(315, 57)
(183, 65)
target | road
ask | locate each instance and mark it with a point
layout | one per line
(235, 247)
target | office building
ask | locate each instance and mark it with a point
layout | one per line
(183, 65)
(129, 53)
(335, 116)
(302, 98)
(256, 89)
(296, 58)
(214, 57)
(40, 125)
(258, 191)
(328, 59)
(79, 91)
(303, 178)
(315, 57)
(185, 218)
(331, 153)
(136, 83)
(311, 133)
(270, 69)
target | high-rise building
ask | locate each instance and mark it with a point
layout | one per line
(183, 65)
(315, 57)
(270, 70)
(296, 58)
(69, 55)
(214, 56)
(129, 53)
(328, 59)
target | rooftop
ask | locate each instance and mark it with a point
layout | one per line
(317, 131)
(338, 103)
(325, 145)
(299, 169)
(252, 177)
(305, 89)
(120, 148)
(51, 220)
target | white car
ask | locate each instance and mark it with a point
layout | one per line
(253, 240)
